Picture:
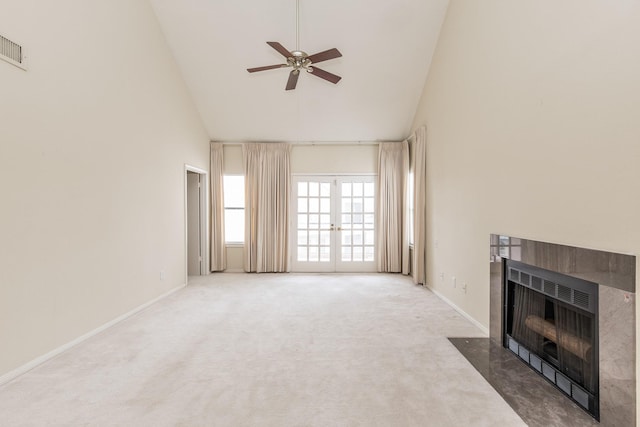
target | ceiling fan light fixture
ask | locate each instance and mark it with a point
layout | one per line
(298, 59)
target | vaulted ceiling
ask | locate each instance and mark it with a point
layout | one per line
(387, 46)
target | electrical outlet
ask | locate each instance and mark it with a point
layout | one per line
(161, 274)
(464, 287)
(442, 277)
(453, 281)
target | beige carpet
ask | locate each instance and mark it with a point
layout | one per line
(269, 350)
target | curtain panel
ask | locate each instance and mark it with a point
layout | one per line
(218, 261)
(392, 239)
(419, 167)
(267, 203)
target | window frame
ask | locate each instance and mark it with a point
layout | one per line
(233, 243)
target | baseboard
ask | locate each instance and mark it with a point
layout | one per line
(234, 270)
(11, 375)
(459, 310)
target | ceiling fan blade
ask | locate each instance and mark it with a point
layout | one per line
(277, 46)
(268, 67)
(325, 75)
(324, 56)
(293, 79)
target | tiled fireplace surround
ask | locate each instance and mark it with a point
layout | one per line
(615, 274)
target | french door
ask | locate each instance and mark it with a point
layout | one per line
(333, 227)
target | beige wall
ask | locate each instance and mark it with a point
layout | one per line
(93, 142)
(334, 159)
(308, 159)
(532, 112)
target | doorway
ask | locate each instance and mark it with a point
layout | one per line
(196, 224)
(333, 227)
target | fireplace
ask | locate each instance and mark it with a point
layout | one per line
(597, 291)
(551, 324)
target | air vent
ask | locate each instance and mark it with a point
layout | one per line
(524, 279)
(12, 52)
(514, 275)
(564, 293)
(581, 299)
(536, 283)
(549, 288)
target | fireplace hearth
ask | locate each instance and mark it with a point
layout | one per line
(551, 324)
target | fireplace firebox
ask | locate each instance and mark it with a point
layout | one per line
(551, 324)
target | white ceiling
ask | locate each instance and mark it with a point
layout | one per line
(386, 45)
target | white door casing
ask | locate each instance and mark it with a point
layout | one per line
(194, 256)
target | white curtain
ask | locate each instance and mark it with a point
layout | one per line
(393, 216)
(216, 172)
(267, 197)
(419, 167)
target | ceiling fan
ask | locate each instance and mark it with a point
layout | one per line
(300, 60)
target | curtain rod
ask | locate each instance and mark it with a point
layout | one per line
(308, 142)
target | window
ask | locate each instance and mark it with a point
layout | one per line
(234, 208)
(410, 203)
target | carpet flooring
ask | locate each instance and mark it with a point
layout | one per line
(269, 350)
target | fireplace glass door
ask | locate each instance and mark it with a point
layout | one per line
(551, 323)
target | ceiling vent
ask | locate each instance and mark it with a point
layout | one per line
(12, 52)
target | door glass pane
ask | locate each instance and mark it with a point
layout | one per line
(302, 189)
(346, 205)
(368, 221)
(346, 189)
(302, 205)
(302, 221)
(346, 238)
(325, 238)
(314, 205)
(302, 254)
(325, 205)
(346, 221)
(357, 188)
(357, 253)
(357, 237)
(325, 221)
(314, 189)
(368, 237)
(313, 238)
(314, 220)
(325, 189)
(357, 205)
(368, 189)
(368, 204)
(302, 238)
(346, 253)
(314, 253)
(368, 253)
(325, 254)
